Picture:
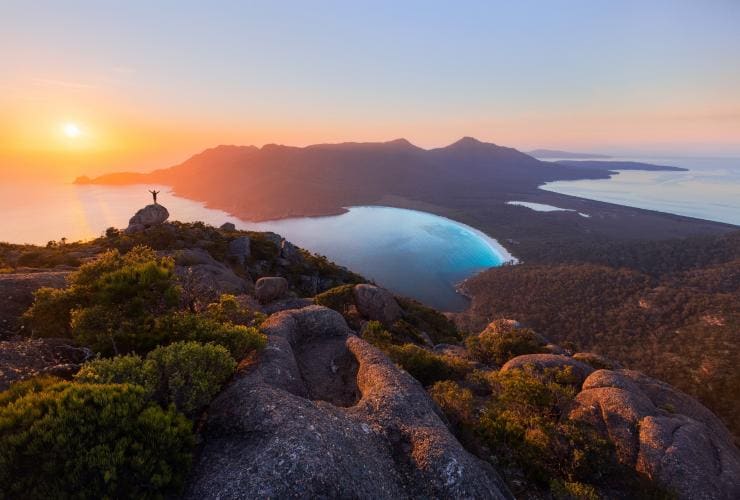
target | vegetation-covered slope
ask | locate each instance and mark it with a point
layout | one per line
(670, 309)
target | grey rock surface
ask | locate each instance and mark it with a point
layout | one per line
(662, 432)
(204, 278)
(541, 362)
(240, 249)
(270, 288)
(375, 303)
(16, 295)
(150, 215)
(323, 414)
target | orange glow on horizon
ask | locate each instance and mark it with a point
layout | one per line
(68, 131)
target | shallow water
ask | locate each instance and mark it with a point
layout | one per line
(413, 253)
(541, 207)
(709, 190)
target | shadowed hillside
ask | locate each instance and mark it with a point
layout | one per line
(469, 181)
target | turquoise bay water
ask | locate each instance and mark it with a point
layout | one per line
(709, 190)
(413, 253)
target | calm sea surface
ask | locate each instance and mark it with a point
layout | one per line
(413, 253)
(709, 190)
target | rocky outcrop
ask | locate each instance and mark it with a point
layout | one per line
(21, 358)
(16, 295)
(204, 279)
(541, 362)
(270, 288)
(228, 226)
(323, 414)
(662, 433)
(150, 215)
(240, 249)
(375, 303)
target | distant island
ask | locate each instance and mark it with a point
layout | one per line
(554, 153)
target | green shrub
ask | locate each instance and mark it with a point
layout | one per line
(439, 328)
(565, 490)
(50, 314)
(23, 387)
(339, 298)
(497, 344)
(111, 303)
(189, 374)
(229, 310)
(127, 369)
(425, 366)
(186, 374)
(455, 401)
(522, 421)
(65, 439)
(238, 339)
(375, 334)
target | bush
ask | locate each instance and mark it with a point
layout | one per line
(439, 328)
(50, 314)
(90, 441)
(186, 374)
(564, 490)
(374, 333)
(455, 401)
(522, 422)
(229, 310)
(118, 370)
(339, 298)
(497, 344)
(425, 366)
(189, 374)
(238, 339)
(111, 303)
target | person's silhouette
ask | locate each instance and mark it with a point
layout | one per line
(154, 195)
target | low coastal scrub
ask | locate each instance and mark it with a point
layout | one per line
(111, 305)
(96, 440)
(424, 365)
(185, 374)
(124, 427)
(517, 419)
(502, 341)
(130, 303)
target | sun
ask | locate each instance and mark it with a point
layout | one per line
(71, 130)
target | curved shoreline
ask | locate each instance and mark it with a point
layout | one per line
(493, 244)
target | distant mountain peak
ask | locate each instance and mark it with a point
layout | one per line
(401, 142)
(467, 141)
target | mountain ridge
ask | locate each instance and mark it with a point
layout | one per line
(468, 180)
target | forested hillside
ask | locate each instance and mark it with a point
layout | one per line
(670, 309)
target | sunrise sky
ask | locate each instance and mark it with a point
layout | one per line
(90, 87)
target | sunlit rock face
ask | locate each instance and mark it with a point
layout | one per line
(325, 414)
(150, 215)
(662, 433)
